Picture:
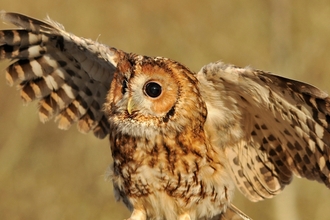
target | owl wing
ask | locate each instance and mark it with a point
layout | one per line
(269, 127)
(68, 75)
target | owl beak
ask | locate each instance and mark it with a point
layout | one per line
(130, 106)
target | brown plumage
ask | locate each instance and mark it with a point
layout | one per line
(180, 140)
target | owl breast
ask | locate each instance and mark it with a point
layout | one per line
(169, 175)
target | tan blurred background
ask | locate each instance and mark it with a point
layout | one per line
(46, 173)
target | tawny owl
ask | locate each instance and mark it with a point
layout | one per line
(180, 140)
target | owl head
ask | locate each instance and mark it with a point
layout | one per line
(153, 94)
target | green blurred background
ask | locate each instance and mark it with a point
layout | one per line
(46, 173)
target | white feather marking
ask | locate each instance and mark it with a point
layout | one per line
(311, 145)
(36, 68)
(51, 62)
(51, 83)
(33, 38)
(319, 130)
(68, 91)
(322, 162)
(34, 51)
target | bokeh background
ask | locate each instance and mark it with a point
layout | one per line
(46, 173)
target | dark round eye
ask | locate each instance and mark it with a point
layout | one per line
(153, 89)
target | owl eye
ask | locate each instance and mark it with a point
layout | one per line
(153, 89)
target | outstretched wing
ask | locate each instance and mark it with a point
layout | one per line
(69, 76)
(269, 127)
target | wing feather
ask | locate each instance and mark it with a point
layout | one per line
(68, 75)
(274, 127)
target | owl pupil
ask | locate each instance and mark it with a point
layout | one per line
(153, 89)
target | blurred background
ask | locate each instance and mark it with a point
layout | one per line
(46, 173)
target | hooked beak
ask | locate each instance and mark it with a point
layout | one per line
(130, 105)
